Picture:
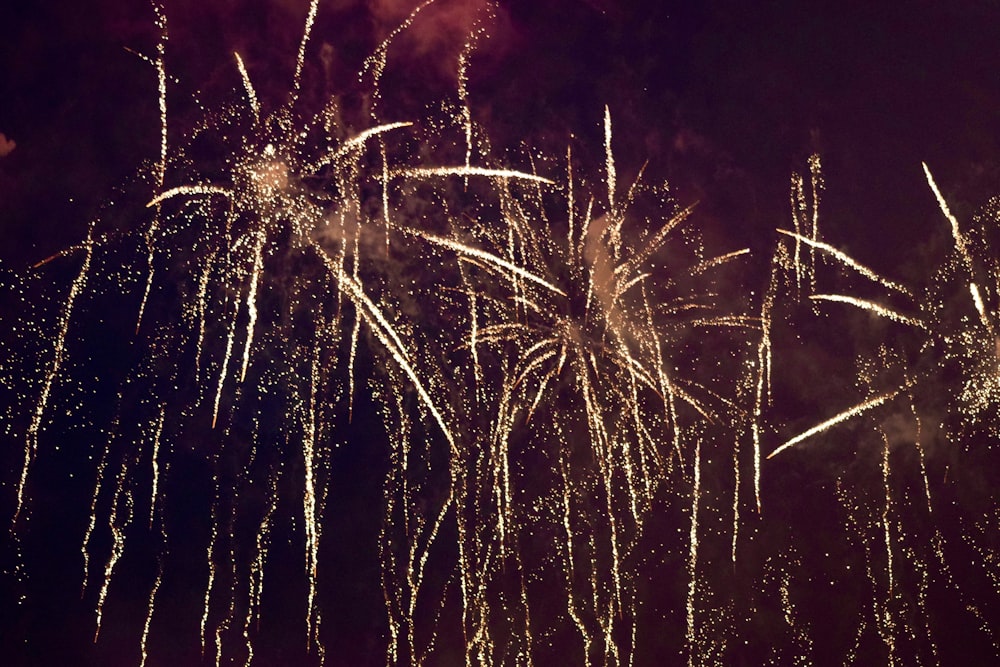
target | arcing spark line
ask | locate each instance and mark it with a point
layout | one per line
(843, 416)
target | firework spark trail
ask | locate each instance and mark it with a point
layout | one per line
(98, 485)
(871, 306)
(858, 409)
(486, 257)
(310, 515)
(504, 174)
(149, 613)
(248, 87)
(803, 218)
(58, 356)
(798, 209)
(816, 183)
(691, 635)
(351, 146)
(255, 278)
(377, 61)
(390, 339)
(962, 246)
(118, 532)
(210, 560)
(609, 161)
(197, 189)
(300, 59)
(262, 542)
(161, 168)
(847, 261)
(202, 308)
(225, 624)
(465, 114)
(570, 573)
(960, 242)
(224, 370)
(713, 262)
(156, 465)
(889, 622)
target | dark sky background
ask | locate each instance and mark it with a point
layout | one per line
(725, 99)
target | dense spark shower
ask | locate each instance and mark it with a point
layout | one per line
(573, 404)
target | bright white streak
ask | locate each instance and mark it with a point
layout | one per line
(156, 466)
(509, 174)
(956, 234)
(843, 416)
(385, 333)
(161, 167)
(356, 142)
(693, 554)
(716, 261)
(31, 442)
(871, 306)
(149, 616)
(485, 256)
(310, 18)
(609, 159)
(258, 270)
(225, 369)
(202, 189)
(980, 307)
(846, 260)
(248, 86)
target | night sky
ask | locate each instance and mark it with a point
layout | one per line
(723, 101)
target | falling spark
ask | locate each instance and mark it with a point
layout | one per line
(609, 160)
(156, 466)
(487, 257)
(693, 556)
(55, 365)
(505, 174)
(889, 635)
(149, 615)
(248, 86)
(842, 417)
(846, 260)
(871, 306)
(118, 527)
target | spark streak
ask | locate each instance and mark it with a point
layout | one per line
(842, 417)
(31, 442)
(871, 306)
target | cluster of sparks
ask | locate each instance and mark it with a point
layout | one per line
(544, 388)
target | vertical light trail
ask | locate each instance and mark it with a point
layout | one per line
(156, 465)
(300, 58)
(609, 161)
(161, 167)
(248, 87)
(888, 620)
(118, 529)
(377, 61)
(210, 560)
(224, 370)
(92, 522)
(816, 178)
(202, 309)
(149, 614)
(309, 518)
(693, 556)
(55, 365)
(255, 278)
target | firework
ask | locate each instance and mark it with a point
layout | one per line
(573, 433)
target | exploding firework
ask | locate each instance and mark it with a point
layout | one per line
(378, 380)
